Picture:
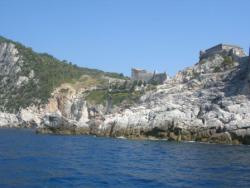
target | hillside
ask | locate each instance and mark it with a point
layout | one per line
(208, 102)
(28, 77)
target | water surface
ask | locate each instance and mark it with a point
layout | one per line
(30, 160)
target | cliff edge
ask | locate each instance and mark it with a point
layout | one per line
(208, 102)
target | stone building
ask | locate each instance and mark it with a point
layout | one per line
(223, 48)
(159, 78)
(143, 75)
(140, 74)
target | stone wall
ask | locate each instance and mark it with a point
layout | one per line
(222, 48)
(138, 74)
(149, 77)
(214, 49)
(159, 78)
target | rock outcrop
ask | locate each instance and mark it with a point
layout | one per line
(202, 103)
(8, 120)
(209, 102)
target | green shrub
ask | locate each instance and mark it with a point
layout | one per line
(228, 62)
(97, 97)
(118, 98)
(49, 73)
(195, 74)
(217, 69)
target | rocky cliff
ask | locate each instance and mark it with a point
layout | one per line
(208, 102)
(34, 86)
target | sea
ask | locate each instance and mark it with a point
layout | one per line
(35, 160)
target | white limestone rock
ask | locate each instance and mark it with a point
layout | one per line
(8, 120)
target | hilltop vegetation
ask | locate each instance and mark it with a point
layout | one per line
(44, 73)
(124, 93)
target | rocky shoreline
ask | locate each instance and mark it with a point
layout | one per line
(198, 104)
(208, 102)
(211, 135)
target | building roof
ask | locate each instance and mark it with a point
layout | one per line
(231, 45)
(137, 69)
(221, 44)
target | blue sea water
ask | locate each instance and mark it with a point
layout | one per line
(30, 160)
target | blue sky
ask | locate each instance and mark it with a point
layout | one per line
(115, 35)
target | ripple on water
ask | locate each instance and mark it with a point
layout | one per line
(30, 160)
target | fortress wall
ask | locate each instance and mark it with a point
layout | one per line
(223, 47)
(214, 49)
(141, 75)
(145, 76)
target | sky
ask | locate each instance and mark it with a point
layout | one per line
(116, 35)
